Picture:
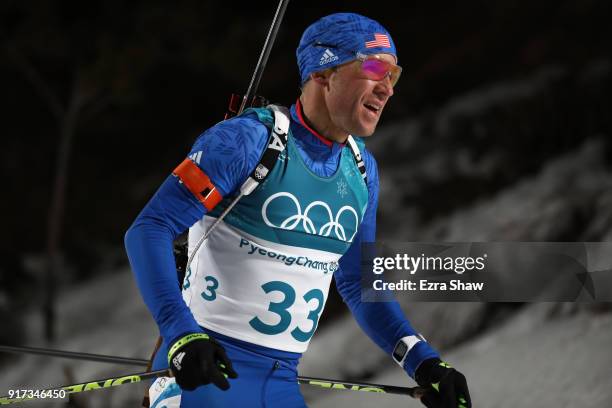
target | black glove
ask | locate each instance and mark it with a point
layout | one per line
(197, 359)
(447, 387)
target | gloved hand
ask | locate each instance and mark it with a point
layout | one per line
(447, 386)
(197, 359)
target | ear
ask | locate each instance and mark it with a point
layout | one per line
(321, 77)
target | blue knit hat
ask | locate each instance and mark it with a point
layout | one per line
(337, 38)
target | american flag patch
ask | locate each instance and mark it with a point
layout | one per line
(380, 40)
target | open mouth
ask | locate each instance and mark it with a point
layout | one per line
(372, 107)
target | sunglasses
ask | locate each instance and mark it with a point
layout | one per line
(377, 69)
(372, 66)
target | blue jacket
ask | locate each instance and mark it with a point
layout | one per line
(230, 150)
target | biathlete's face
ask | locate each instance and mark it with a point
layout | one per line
(358, 91)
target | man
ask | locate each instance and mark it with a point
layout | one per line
(253, 295)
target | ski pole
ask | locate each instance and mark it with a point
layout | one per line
(414, 392)
(251, 90)
(265, 53)
(74, 355)
(56, 392)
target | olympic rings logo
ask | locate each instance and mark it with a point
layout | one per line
(291, 222)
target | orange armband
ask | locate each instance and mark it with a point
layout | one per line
(198, 183)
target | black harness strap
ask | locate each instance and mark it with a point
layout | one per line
(276, 144)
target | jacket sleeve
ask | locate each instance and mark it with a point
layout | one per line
(383, 322)
(226, 153)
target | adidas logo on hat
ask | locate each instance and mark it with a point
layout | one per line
(328, 57)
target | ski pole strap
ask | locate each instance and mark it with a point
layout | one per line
(358, 159)
(185, 340)
(276, 144)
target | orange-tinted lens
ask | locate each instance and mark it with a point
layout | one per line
(378, 69)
